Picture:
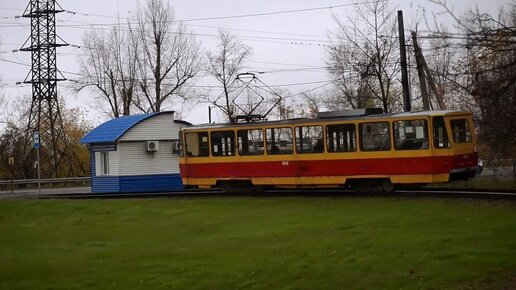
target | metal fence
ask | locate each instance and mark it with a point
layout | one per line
(499, 168)
(46, 182)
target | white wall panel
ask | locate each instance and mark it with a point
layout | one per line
(135, 160)
(160, 127)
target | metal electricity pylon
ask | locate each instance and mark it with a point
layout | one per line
(45, 116)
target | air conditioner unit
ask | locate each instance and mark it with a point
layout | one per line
(152, 146)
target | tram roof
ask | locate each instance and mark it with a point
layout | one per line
(317, 120)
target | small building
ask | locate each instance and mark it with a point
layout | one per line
(136, 153)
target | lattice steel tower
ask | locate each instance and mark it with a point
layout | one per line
(45, 115)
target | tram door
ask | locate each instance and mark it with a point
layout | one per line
(440, 135)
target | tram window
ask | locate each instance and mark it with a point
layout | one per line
(279, 141)
(341, 138)
(375, 136)
(222, 143)
(250, 142)
(439, 133)
(197, 144)
(460, 131)
(309, 139)
(410, 135)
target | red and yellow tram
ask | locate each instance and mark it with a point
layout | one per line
(361, 149)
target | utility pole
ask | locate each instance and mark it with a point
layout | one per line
(36, 145)
(45, 116)
(433, 86)
(403, 59)
(422, 65)
(11, 164)
(420, 72)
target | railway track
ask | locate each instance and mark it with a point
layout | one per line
(337, 193)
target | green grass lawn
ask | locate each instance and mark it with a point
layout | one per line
(257, 243)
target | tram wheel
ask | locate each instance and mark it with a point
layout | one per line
(372, 185)
(387, 185)
(235, 186)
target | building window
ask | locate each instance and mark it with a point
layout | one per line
(341, 138)
(460, 131)
(279, 141)
(309, 139)
(410, 134)
(375, 136)
(197, 144)
(440, 135)
(222, 143)
(250, 142)
(104, 163)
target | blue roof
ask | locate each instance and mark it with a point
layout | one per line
(113, 129)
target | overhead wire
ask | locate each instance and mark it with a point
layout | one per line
(195, 86)
(90, 25)
(296, 41)
(254, 14)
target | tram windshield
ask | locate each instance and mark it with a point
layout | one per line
(197, 144)
(460, 131)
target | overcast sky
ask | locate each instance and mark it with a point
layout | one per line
(287, 39)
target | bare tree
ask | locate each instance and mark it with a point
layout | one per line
(224, 65)
(363, 60)
(170, 56)
(3, 102)
(313, 103)
(110, 67)
(492, 66)
(349, 77)
(484, 71)
(3, 105)
(299, 105)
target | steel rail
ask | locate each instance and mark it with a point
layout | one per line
(334, 193)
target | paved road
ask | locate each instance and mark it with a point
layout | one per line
(32, 192)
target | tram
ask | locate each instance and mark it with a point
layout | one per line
(360, 149)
